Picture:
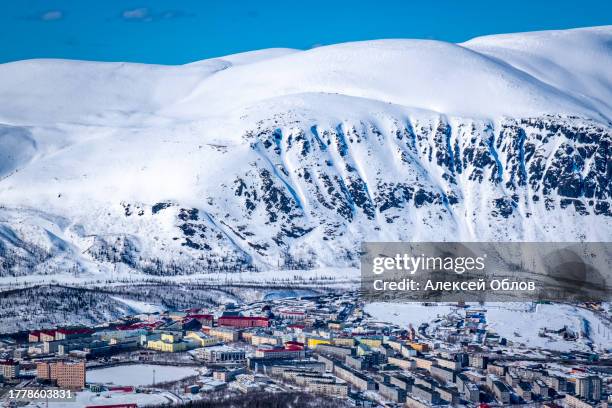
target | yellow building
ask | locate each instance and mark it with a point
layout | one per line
(371, 341)
(422, 347)
(314, 341)
(168, 343)
(224, 334)
(201, 339)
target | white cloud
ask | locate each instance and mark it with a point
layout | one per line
(52, 15)
(136, 14)
(146, 14)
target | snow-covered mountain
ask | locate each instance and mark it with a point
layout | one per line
(282, 158)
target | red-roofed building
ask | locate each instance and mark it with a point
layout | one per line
(9, 369)
(121, 389)
(204, 319)
(294, 345)
(34, 336)
(243, 321)
(65, 334)
(47, 335)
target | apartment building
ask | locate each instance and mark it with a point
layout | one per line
(224, 334)
(392, 392)
(353, 377)
(222, 355)
(9, 369)
(331, 389)
(281, 353)
(67, 374)
(243, 321)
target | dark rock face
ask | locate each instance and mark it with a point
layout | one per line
(311, 194)
(331, 178)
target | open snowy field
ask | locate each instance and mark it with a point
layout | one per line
(517, 322)
(521, 323)
(88, 398)
(139, 375)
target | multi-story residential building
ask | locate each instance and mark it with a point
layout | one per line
(344, 341)
(296, 367)
(46, 335)
(412, 402)
(501, 391)
(335, 351)
(589, 388)
(222, 355)
(540, 388)
(67, 374)
(169, 343)
(425, 394)
(420, 347)
(243, 321)
(478, 361)
(224, 334)
(9, 369)
(358, 363)
(313, 342)
(67, 334)
(281, 353)
(571, 401)
(496, 369)
(442, 374)
(402, 381)
(373, 341)
(407, 351)
(329, 362)
(35, 336)
(358, 380)
(204, 319)
(301, 376)
(228, 375)
(512, 379)
(263, 339)
(291, 315)
(332, 389)
(402, 363)
(424, 363)
(450, 364)
(555, 382)
(392, 392)
(201, 339)
(468, 389)
(448, 394)
(523, 390)
(336, 326)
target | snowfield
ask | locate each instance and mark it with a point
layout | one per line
(285, 159)
(88, 398)
(272, 167)
(520, 323)
(136, 307)
(138, 375)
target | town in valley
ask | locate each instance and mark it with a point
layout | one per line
(324, 344)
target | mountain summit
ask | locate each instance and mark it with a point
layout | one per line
(281, 159)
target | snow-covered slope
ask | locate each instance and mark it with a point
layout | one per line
(290, 159)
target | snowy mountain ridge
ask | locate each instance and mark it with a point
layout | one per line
(282, 159)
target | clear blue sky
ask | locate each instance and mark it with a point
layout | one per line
(174, 32)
